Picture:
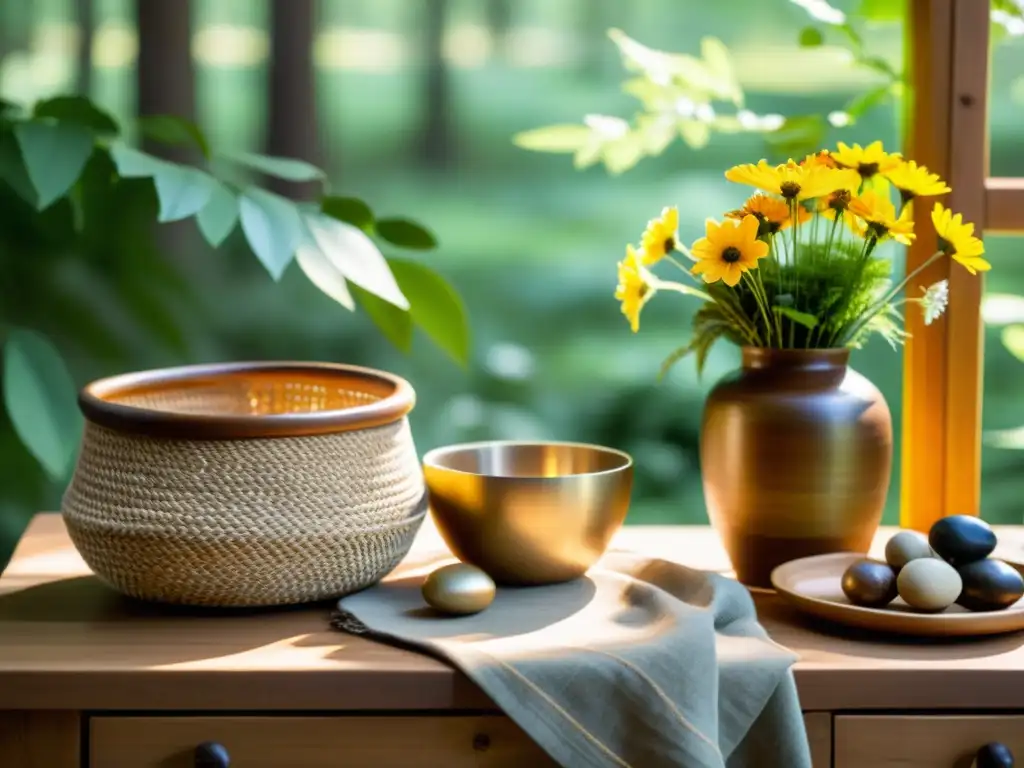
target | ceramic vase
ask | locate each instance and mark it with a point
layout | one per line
(796, 455)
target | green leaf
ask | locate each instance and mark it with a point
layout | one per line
(182, 190)
(694, 133)
(322, 272)
(12, 169)
(54, 155)
(881, 11)
(174, 130)
(356, 256)
(273, 227)
(406, 233)
(674, 357)
(279, 167)
(41, 400)
(880, 65)
(219, 216)
(1013, 340)
(396, 324)
(811, 37)
(351, 210)
(434, 306)
(861, 103)
(554, 138)
(79, 110)
(803, 318)
(133, 164)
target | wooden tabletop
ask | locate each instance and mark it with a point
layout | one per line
(69, 642)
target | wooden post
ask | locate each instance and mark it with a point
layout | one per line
(941, 453)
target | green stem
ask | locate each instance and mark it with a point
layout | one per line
(685, 290)
(762, 305)
(879, 305)
(736, 314)
(682, 268)
(841, 306)
(796, 281)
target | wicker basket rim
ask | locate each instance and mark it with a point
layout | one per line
(98, 402)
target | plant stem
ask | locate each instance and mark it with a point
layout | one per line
(796, 280)
(832, 236)
(762, 305)
(685, 290)
(879, 305)
(682, 268)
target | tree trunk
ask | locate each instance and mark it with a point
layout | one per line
(165, 83)
(165, 74)
(499, 22)
(86, 28)
(437, 145)
(292, 124)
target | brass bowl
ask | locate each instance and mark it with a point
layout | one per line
(528, 513)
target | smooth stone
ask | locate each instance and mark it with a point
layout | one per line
(962, 539)
(906, 546)
(989, 585)
(458, 589)
(869, 583)
(993, 755)
(929, 584)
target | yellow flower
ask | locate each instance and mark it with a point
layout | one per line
(793, 181)
(661, 236)
(866, 161)
(839, 203)
(634, 289)
(729, 250)
(823, 158)
(771, 213)
(879, 214)
(956, 239)
(913, 180)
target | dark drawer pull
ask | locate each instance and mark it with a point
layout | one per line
(994, 755)
(210, 754)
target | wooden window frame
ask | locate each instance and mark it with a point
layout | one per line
(947, 130)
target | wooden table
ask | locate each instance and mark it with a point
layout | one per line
(88, 678)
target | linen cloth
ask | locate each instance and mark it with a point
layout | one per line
(642, 663)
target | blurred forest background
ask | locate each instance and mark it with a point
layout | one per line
(412, 105)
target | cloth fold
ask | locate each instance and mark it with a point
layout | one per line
(640, 664)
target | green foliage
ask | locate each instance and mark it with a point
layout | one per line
(81, 265)
(36, 394)
(406, 233)
(682, 97)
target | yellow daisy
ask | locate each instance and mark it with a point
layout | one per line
(771, 213)
(838, 203)
(866, 161)
(634, 290)
(791, 180)
(728, 250)
(913, 180)
(823, 158)
(956, 239)
(878, 213)
(661, 236)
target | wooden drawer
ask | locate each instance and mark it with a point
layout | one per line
(315, 742)
(921, 742)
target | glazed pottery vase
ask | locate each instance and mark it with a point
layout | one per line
(796, 453)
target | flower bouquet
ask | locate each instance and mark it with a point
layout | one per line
(796, 448)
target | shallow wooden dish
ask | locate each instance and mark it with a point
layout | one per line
(812, 584)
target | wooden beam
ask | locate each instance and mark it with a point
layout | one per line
(929, 30)
(1004, 206)
(968, 168)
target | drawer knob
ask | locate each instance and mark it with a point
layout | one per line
(210, 754)
(994, 755)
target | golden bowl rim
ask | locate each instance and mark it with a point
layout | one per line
(97, 401)
(429, 458)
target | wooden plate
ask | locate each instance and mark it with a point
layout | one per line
(812, 584)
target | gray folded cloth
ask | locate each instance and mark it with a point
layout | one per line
(640, 664)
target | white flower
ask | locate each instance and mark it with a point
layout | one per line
(934, 301)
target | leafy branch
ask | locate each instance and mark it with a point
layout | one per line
(64, 153)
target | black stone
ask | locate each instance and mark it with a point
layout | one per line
(962, 539)
(989, 585)
(869, 583)
(994, 755)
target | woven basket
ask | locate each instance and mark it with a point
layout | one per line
(245, 484)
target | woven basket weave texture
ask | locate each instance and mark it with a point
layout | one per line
(245, 522)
